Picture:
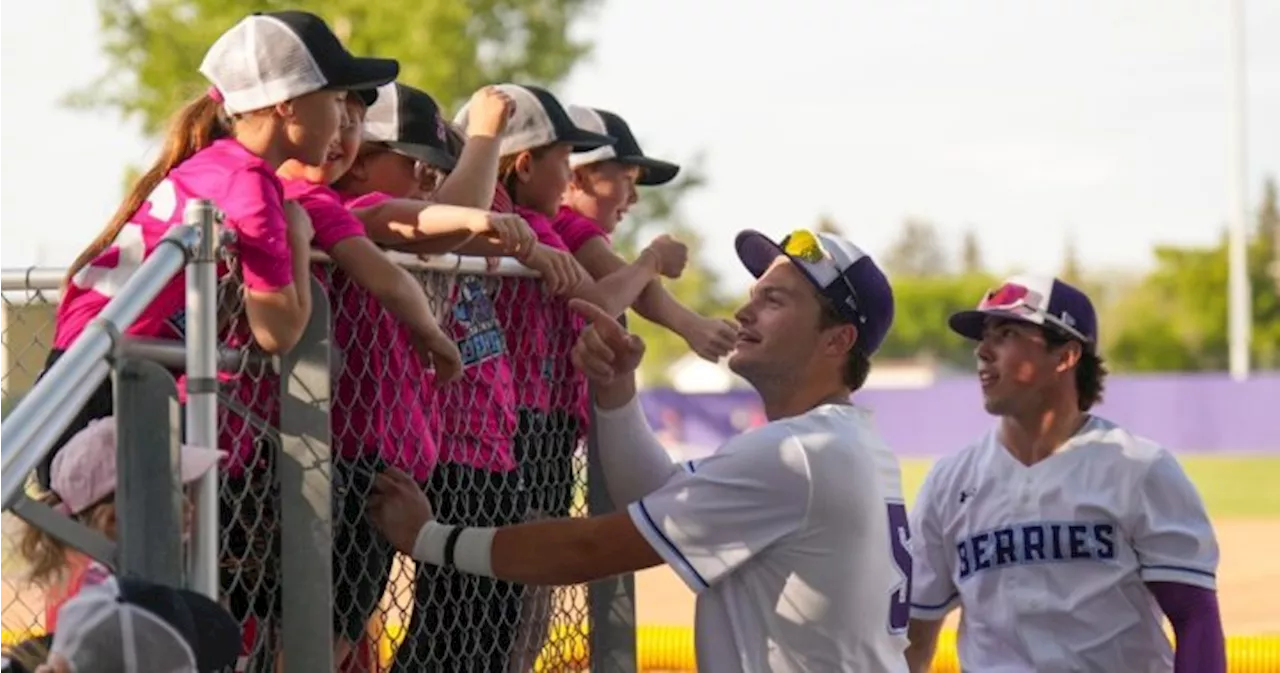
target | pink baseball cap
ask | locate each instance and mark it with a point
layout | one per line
(84, 471)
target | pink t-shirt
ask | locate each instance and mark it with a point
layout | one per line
(377, 393)
(477, 413)
(250, 196)
(535, 320)
(575, 229)
(243, 187)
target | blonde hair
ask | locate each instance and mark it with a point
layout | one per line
(47, 558)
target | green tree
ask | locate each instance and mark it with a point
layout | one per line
(922, 306)
(449, 48)
(970, 253)
(1176, 318)
(1071, 271)
(917, 252)
(698, 288)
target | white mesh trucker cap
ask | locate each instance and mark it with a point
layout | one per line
(271, 57)
(539, 120)
(132, 626)
(626, 151)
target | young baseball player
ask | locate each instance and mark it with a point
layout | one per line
(226, 146)
(793, 534)
(1060, 535)
(83, 487)
(603, 188)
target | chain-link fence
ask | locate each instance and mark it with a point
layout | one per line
(505, 444)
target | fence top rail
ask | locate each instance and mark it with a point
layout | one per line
(49, 278)
(37, 278)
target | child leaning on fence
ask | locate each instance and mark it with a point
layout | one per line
(375, 416)
(84, 478)
(225, 146)
(601, 192)
(278, 85)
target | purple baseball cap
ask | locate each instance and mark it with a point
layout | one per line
(840, 270)
(1039, 300)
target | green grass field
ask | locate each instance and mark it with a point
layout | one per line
(1237, 487)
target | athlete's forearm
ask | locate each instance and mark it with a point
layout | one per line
(553, 552)
(1197, 626)
(633, 460)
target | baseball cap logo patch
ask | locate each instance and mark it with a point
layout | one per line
(803, 245)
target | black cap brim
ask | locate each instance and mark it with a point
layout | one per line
(653, 172)
(432, 156)
(366, 96)
(358, 74)
(581, 139)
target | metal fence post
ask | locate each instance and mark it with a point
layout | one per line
(202, 390)
(611, 602)
(148, 489)
(306, 517)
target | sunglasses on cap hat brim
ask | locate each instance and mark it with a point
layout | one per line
(804, 249)
(1010, 301)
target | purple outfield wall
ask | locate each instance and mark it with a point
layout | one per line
(1188, 413)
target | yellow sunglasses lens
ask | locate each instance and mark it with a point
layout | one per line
(803, 245)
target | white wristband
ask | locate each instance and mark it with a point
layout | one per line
(472, 551)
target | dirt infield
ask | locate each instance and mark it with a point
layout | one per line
(1248, 584)
(1249, 587)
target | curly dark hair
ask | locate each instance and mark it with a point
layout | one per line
(1091, 370)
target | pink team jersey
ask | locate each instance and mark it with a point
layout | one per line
(477, 413)
(535, 326)
(250, 196)
(243, 187)
(377, 397)
(575, 229)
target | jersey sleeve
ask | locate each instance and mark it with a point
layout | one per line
(577, 231)
(254, 207)
(710, 518)
(332, 222)
(1172, 536)
(933, 591)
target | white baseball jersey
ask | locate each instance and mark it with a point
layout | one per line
(794, 537)
(1047, 562)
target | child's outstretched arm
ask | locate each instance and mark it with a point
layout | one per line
(710, 338)
(404, 298)
(422, 227)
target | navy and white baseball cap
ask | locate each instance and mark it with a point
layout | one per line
(625, 151)
(539, 120)
(408, 121)
(270, 57)
(134, 626)
(1039, 300)
(840, 270)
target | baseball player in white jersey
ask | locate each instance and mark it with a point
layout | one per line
(793, 534)
(1061, 536)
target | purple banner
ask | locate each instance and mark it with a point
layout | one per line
(1188, 413)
